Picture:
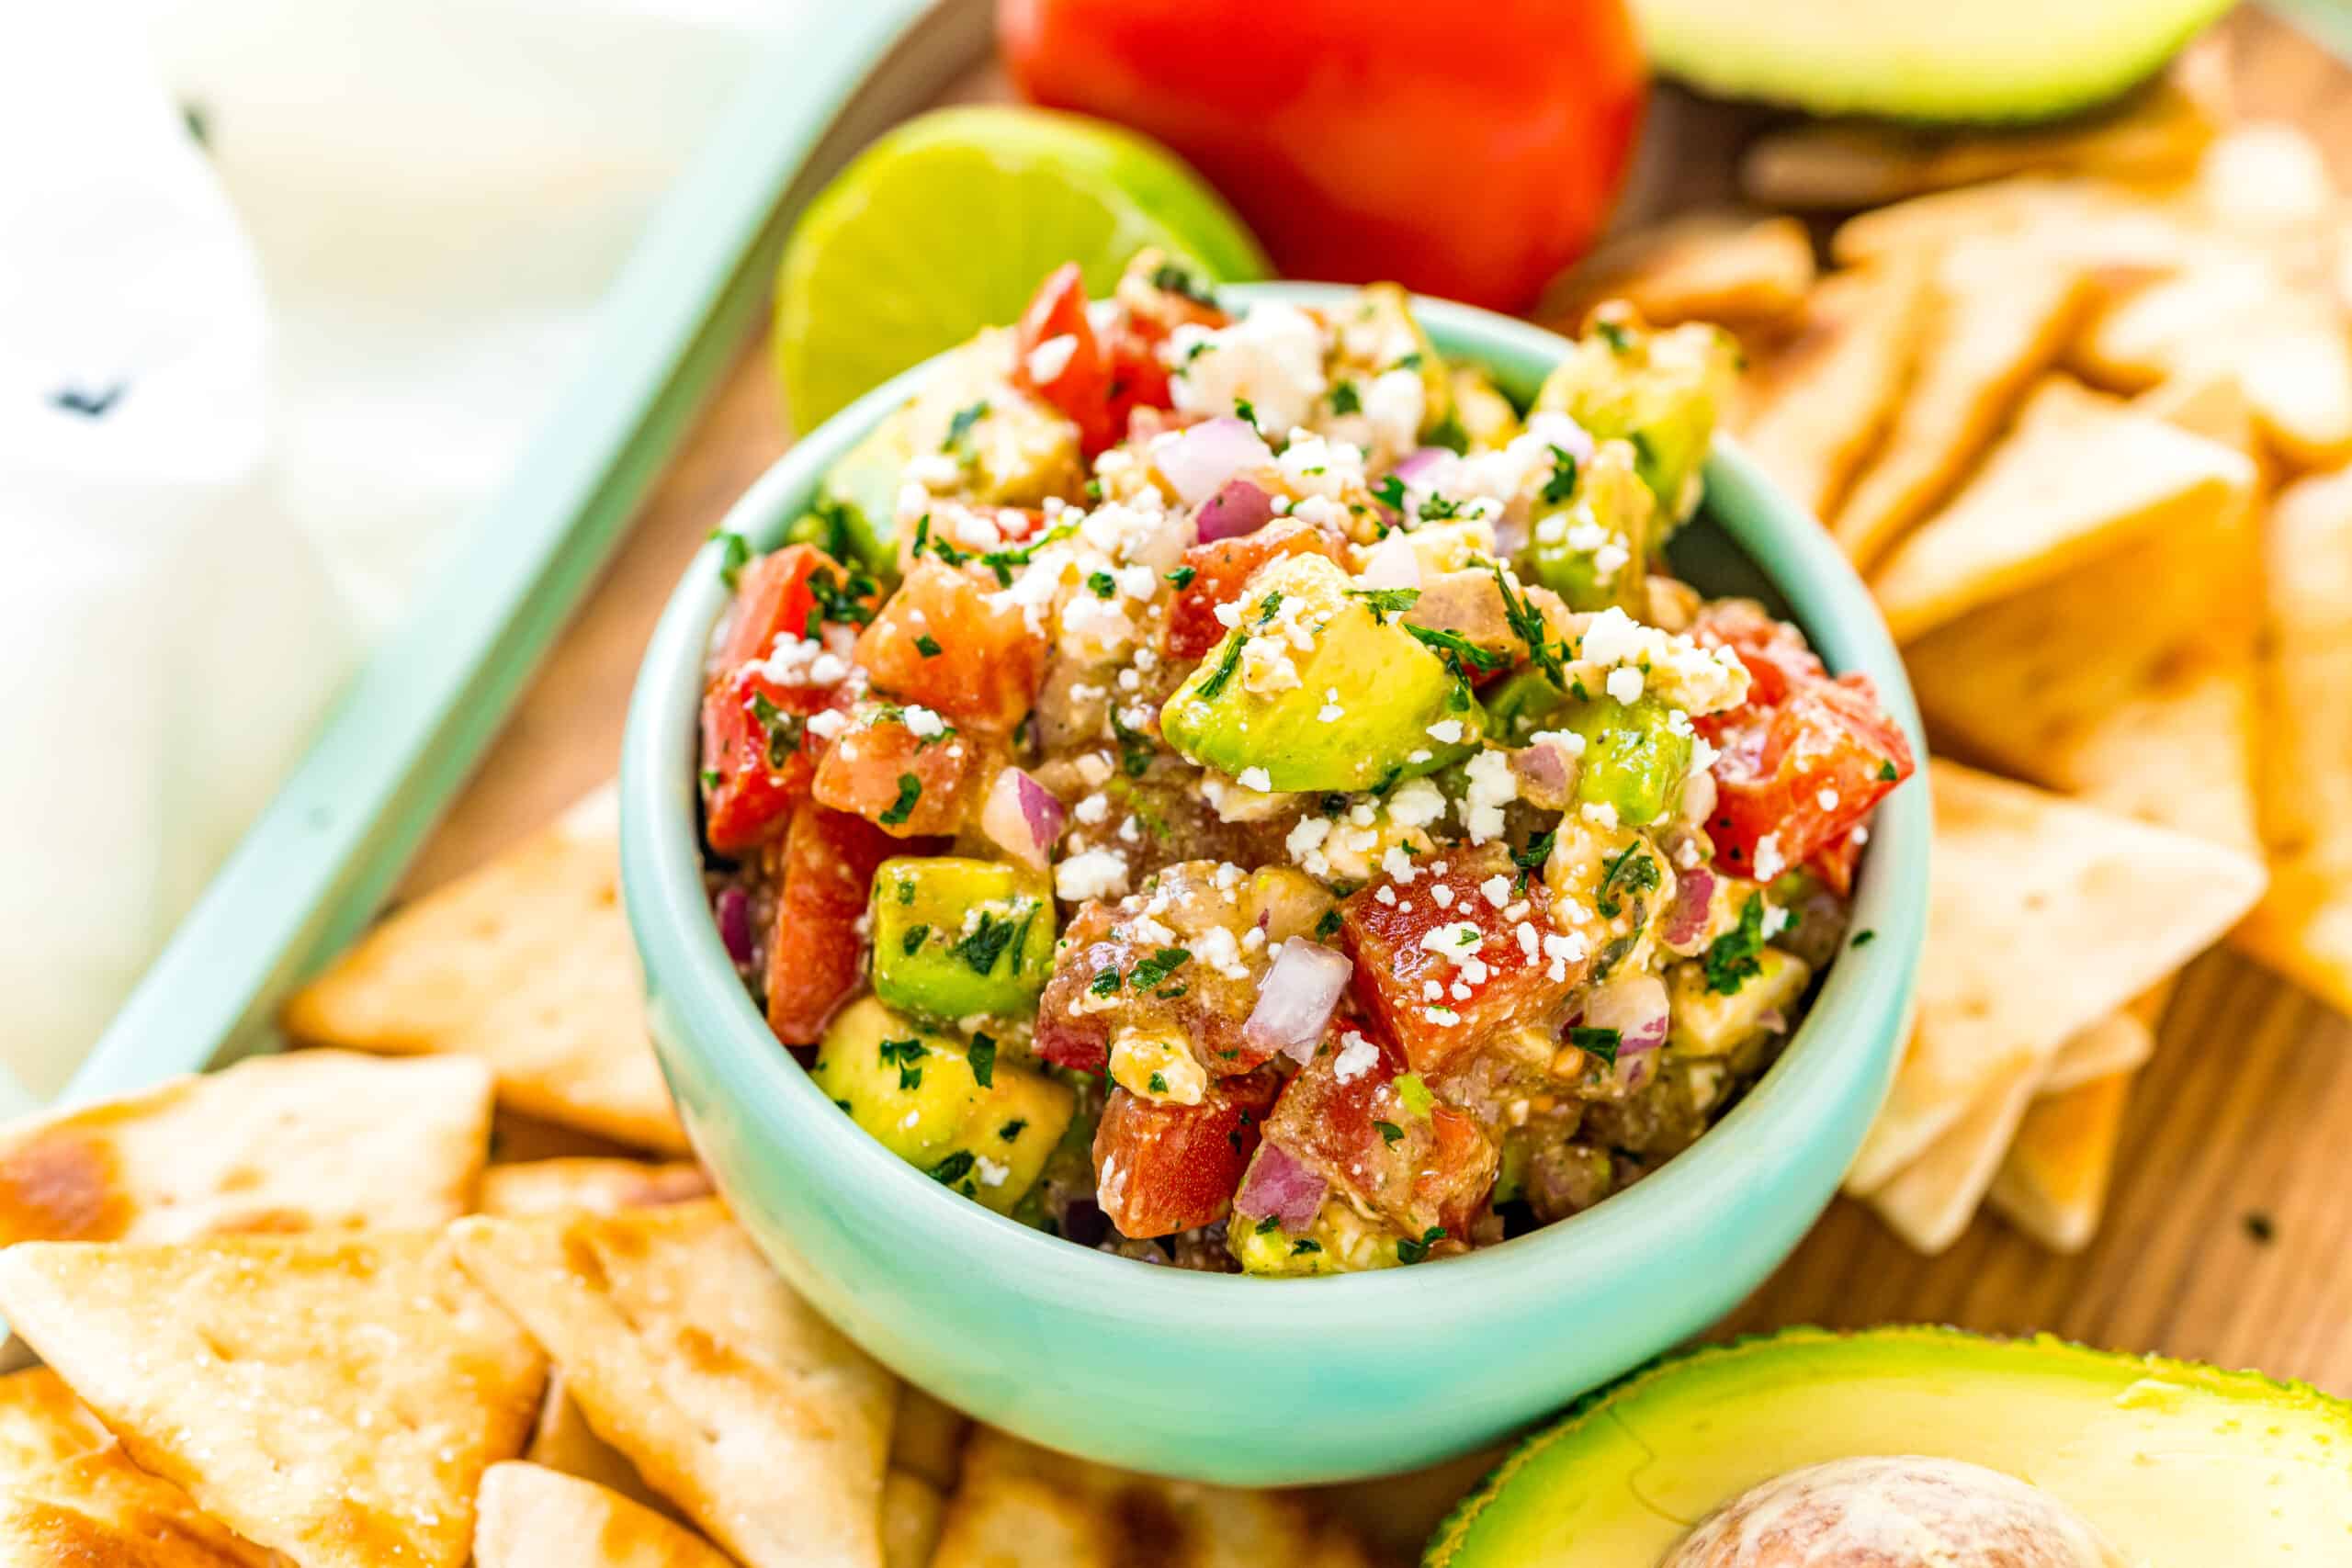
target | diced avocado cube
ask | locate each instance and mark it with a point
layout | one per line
(1660, 390)
(1317, 687)
(953, 937)
(1486, 417)
(860, 492)
(1341, 1241)
(1593, 549)
(1377, 333)
(1520, 703)
(1706, 1023)
(943, 1103)
(1634, 757)
(1013, 449)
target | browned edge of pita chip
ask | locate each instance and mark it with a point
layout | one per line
(529, 1516)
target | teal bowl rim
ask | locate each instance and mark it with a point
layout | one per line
(1841, 1056)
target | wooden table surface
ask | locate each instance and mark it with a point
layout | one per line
(2229, 1235)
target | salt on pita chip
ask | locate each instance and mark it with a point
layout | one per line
(310, 1140)
(562, 1440)
(546, 1185)
(2155, 135)
(1818, 403)
(1732, 267)
(333, 1397)
(1997, 313)
(99, 1508)
(1021, 1504)
(526, 963)
(2304, 926)
(533, 1518)
(912, 1513)
(1930, 1200)
(2076, 478)
(2045, 916)
(2052, 1182)
(42, 1423)
(927, 1437)
(729, 1394)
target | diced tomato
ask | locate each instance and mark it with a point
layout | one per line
(773, 597)
(816, 959)
(906, 784)
(758, 755)
(1793, 779)
(1774, 651)
(944, 642)
(1337, 1117)
(1076, 381)
(1835, 863)
(1442, 1003)
(1221, 573)
(1197, 1002)
(1160, 1168)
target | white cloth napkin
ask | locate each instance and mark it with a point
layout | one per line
(251, 389)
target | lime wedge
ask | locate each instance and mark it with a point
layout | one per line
(947, 225)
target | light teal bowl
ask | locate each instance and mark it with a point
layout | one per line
(1217, 1377)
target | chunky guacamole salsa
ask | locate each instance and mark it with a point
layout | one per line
(1234, 791)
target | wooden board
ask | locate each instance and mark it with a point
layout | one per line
(2236, 1128)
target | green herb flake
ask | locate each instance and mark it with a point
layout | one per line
(1385, 602)
(907, 1056)
(1328, 926)
(1268, 1225)
(1600, 1043)
(927, 645)
(710, 778)
(1151, 971)
(1390, 492)
(1889, 771)
(1731, 958)
(1864, 937)
(1105, 984)
(959, 428)
(1136, 749)
(1410, 1251)
(916, 936)
(1247, 411)
(1344, 399)
(1183, 576)
(1461, 655)
(1448, 433)
(734, 554)
(1170, 279)
(981, 1053)
(1159, 1083)
(1228, 663)
(1104, 584)
(1619, 339)
(1631, 870)
(1013, 1129)
(1389, 1132)
(954, 1169)
(984, 944)
(909, 790)
(1302, 1246)
(1563, 482)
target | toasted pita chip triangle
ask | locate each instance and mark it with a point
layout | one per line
(2078, 478)
(1818, 403)
(99, 1508)
(335, 1397)
(545, 1186)
(533, 1518)
(2158, 134)
(2304, 926)
(2264, 176)
(911, 1512)
(2045, 916)
(1998, 315)
(562, 1440)
(1733, 267)
(1930, 1200)
(686, 1353)
(310, 1140)
(527, 963)
(2052, 1182)
(2118, 233)
(42, 1424)
(927, 1437)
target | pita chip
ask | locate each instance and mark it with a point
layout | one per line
(310, 1140)
(912, 1509)
(2304, 926)
(99, 1508)
(2045, 916)
(2157, 134)
(1930, 1200)
(2078, 477)
(1816, 404)
(2052, 1182)
(526, 963)
(532, 1517)
(729, 1394)
(545, 1186)
(562, 1440)
(2118, 1043)
(1997, 313)
(333, 1397)
(1733, 268)
(927, 1437)
(41, 1423)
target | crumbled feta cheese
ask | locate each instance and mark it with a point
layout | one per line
(1496, 890)
(1357, 1056)
(1307, 835)
(1092, 874)
(1768, 864)
(1257, 779)
(923, 723)
(1775, 921)
(1416, 804)
(1272, 357)
(1624, 683)
(1443, 896)
(1446, 731)
(1492, 786)
(826, 725)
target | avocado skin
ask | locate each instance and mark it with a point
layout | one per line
(1509, 1518)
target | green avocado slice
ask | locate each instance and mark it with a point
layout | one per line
(1990, 60)
(2180, 1465)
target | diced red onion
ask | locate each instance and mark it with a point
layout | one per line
(1297, 999)
(1415, 465)
(1238, 508)
(1686, 920)
(1022, 816)
(1280, 1186)
(733, 908)
(1199, 461)
(1635, 1007)
(1547, 773)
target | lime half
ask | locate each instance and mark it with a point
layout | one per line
(947, 225)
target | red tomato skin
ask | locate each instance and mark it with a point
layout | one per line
(1773, 770)
(861, 770)
(750, 799)
(772, 598)
(1221, 573)
(1081, 387)
(1437, 1171)
(990, 664)
(1469, 152)
(1775, 653)
(1160, 1168)
(816, 960)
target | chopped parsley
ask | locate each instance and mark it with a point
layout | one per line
(1631, 870)
(907, 1056)
(981, 1053)
(1014, 1129)
(1105, 984)
(946, 553)
(927, 645)
(1170, 279)
(1538, 851)
(1411, 361)
(1410, 1251)
(1104, 584)
(1438, 508)
(1328, 926)
(1303, 1245)
(1619, 339)
(1268, 606)
(1563, 482)
(1344, 399)
(1527, 624)
(1159, 1083)
(1864, 937)
(1448, 433)
(1222, 676)
(916, 936)
(1268, 1224)
(1385, 602)
(1157, 967)
(959, 428)
(954, 1169)
(710, 778)
(1390, 492)
(1731, 958)
(906, 890)
(734, 554)
(848, 600)
(782, 729)
(1600, 1043)
(1247, 411)
(1889, 771)
(1389, 1132)
(984, 944)
(909, 790)
(1183, 576)
(1136, 749)
(1460, 653)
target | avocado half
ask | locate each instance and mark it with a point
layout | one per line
(1987, 60)
(2181, 1465)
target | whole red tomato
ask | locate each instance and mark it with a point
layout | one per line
(1469, 148)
